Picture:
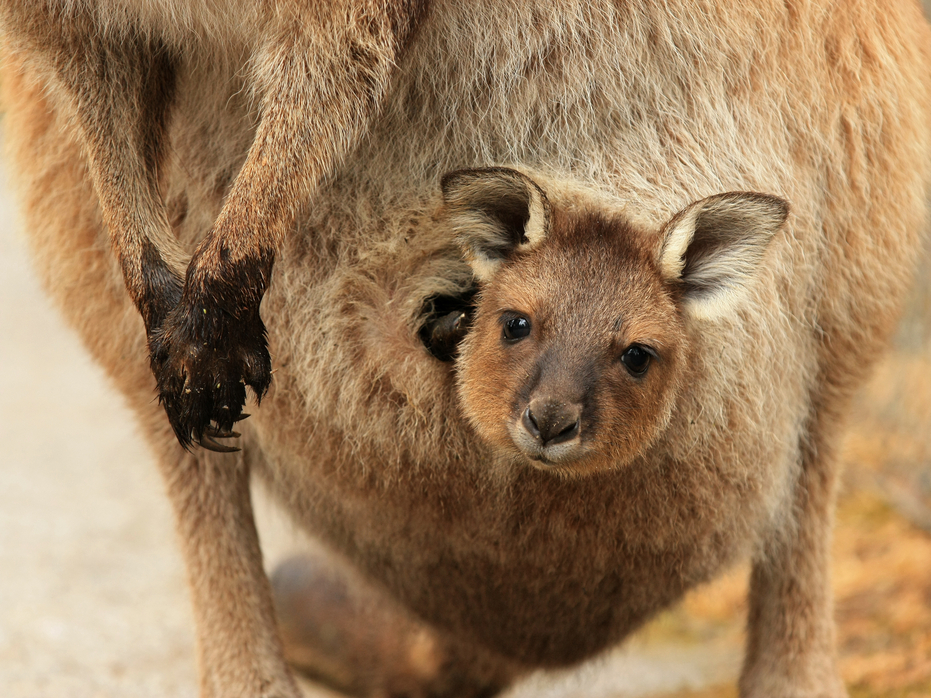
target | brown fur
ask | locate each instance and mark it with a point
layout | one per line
(632, 109)
(112, 66)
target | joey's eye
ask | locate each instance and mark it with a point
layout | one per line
(636, 359)
(516, 328)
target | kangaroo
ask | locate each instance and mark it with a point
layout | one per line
(636, 369)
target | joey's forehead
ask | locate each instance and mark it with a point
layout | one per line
(588, 286)
(584, 258)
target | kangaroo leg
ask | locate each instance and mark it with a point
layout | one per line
(347, 633)
(322, 74)
(791, 638)
(239, 651)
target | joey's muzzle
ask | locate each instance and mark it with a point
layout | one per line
(549, 430)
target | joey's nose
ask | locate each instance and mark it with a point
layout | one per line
(551, 422)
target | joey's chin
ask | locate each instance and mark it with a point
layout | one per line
(587, 459)
(579, 465)
(569, 458)
(554, 457)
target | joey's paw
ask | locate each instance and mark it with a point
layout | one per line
(446, 322)
(441, 336)
(203, 359)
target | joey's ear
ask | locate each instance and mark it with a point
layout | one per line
(494, 213)
(714, 246)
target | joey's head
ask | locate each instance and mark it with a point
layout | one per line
(579, 341)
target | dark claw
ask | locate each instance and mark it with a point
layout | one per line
(240, 418)
(217, 433)
(211, 445)
(201, 386)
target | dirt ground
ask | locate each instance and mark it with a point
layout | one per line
(92, 592)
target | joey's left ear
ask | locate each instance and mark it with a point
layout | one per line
(494, 213)
(714, 246)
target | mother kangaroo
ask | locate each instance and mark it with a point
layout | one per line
(776, 151)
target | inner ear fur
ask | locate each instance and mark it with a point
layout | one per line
(493, 213)
(713, 248)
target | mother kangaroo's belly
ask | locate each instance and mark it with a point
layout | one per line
(383, 466)
(543, 570)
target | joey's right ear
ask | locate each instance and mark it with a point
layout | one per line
(494, 213)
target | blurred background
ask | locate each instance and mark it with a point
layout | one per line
(92, 591)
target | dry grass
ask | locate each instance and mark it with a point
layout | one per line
(882, 550)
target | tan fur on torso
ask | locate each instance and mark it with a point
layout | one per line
(650, 108)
